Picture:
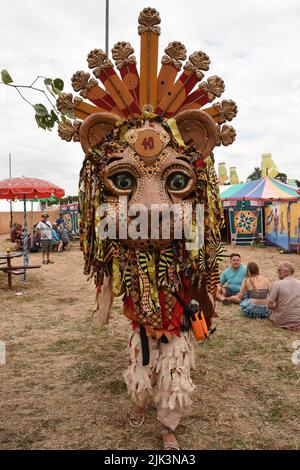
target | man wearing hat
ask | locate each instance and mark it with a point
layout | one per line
(44, 226)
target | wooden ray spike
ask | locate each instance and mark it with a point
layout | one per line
(171, 65)
(149, 32)
(67, 104)
(121, 53)
(222, 112)
(89, 88)
(104, 70)
(176, 95)
(206, 93)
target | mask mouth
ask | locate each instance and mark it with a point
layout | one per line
(149, 235)
(150, 226)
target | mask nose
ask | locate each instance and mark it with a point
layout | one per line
(150, 192)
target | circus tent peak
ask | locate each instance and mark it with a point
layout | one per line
(263, 189)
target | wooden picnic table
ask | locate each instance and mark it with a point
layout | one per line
(10, 270)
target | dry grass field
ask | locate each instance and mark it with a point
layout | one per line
(62, 387)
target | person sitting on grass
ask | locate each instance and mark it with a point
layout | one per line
(16, 232)
(284, 300)
(253, 296)
(64, 236)
(16, 236)
(36, 240)
(56, 241)
(233, 277)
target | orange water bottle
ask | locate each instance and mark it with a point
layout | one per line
(197, 320)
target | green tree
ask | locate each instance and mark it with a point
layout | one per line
(255, 175)
(281, 177)
(51, 90)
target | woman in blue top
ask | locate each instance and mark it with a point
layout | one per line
(56, 242)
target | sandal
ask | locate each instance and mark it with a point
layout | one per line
(226, 302)
(172, 445)
(137, 419)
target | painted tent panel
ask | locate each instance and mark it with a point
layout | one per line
(245, 225)
(295, 226)
(70, 213)
(276, 224)
(245, 222)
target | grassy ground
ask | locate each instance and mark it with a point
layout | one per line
(62, 386)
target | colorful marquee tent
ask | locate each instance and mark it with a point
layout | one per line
(264, 209)
(263, 189)
(227, 191)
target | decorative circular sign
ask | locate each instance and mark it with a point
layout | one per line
(148, 143)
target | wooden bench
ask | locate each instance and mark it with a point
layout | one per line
(17, 271)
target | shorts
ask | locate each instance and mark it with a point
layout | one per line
(252, 310)
(46, 245)
(228, 292)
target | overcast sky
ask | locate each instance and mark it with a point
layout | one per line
(253, 46)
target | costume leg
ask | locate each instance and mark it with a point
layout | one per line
(138, 378)
(173, 381)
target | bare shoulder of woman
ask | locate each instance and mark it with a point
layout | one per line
(266, 280)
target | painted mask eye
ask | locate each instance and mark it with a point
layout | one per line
(124, 181)
(177, 181)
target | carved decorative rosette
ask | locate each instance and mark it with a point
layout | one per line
(98, 58)
(148, 108)
(81, 81)
(121, 53)
(175, 53)
(214, 86)
(226, 109)
(69, 131)
(66, 103)
(148, 20)
(226, 135)
(198, 61)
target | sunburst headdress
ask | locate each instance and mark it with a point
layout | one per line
(128, 94)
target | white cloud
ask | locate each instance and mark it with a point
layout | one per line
(253, 46)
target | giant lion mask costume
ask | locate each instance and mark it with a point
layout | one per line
(148, 140)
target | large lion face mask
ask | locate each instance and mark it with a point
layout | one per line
(148, 146)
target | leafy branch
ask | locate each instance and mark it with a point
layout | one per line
(44, 118)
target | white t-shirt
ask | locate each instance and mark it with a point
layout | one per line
(45, 229)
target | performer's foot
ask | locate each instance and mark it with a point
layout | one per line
(169, 440)
(137, 416)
